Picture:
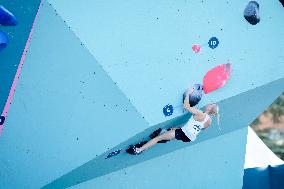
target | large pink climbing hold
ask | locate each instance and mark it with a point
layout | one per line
(216, 77)
(196, 48)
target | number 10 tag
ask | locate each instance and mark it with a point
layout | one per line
(213, 42)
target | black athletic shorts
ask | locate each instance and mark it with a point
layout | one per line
(179, 134)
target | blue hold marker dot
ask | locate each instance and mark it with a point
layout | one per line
(213, 42)
(168, 110)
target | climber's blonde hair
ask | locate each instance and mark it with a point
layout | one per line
(214, 110)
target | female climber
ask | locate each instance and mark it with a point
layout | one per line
(199, 121)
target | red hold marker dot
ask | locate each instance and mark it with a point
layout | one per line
(196, 48)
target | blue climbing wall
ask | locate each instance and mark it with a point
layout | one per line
(25, 12)
(97, 80)
(270, 177)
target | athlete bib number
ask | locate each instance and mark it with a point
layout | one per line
(197, 128)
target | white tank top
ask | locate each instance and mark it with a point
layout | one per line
(193, 127)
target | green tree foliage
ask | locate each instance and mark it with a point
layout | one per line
(276, 110)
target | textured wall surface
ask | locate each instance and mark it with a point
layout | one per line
(98, 74)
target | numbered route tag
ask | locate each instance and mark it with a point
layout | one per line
(213, 42)
(168, 110)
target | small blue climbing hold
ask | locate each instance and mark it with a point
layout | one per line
(114, 153)
(251, 12)
(4, 40)
(213, 42)
(2, 119)
(168, 110)
(7, 18)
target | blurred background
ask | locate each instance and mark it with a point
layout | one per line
(269, 126)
